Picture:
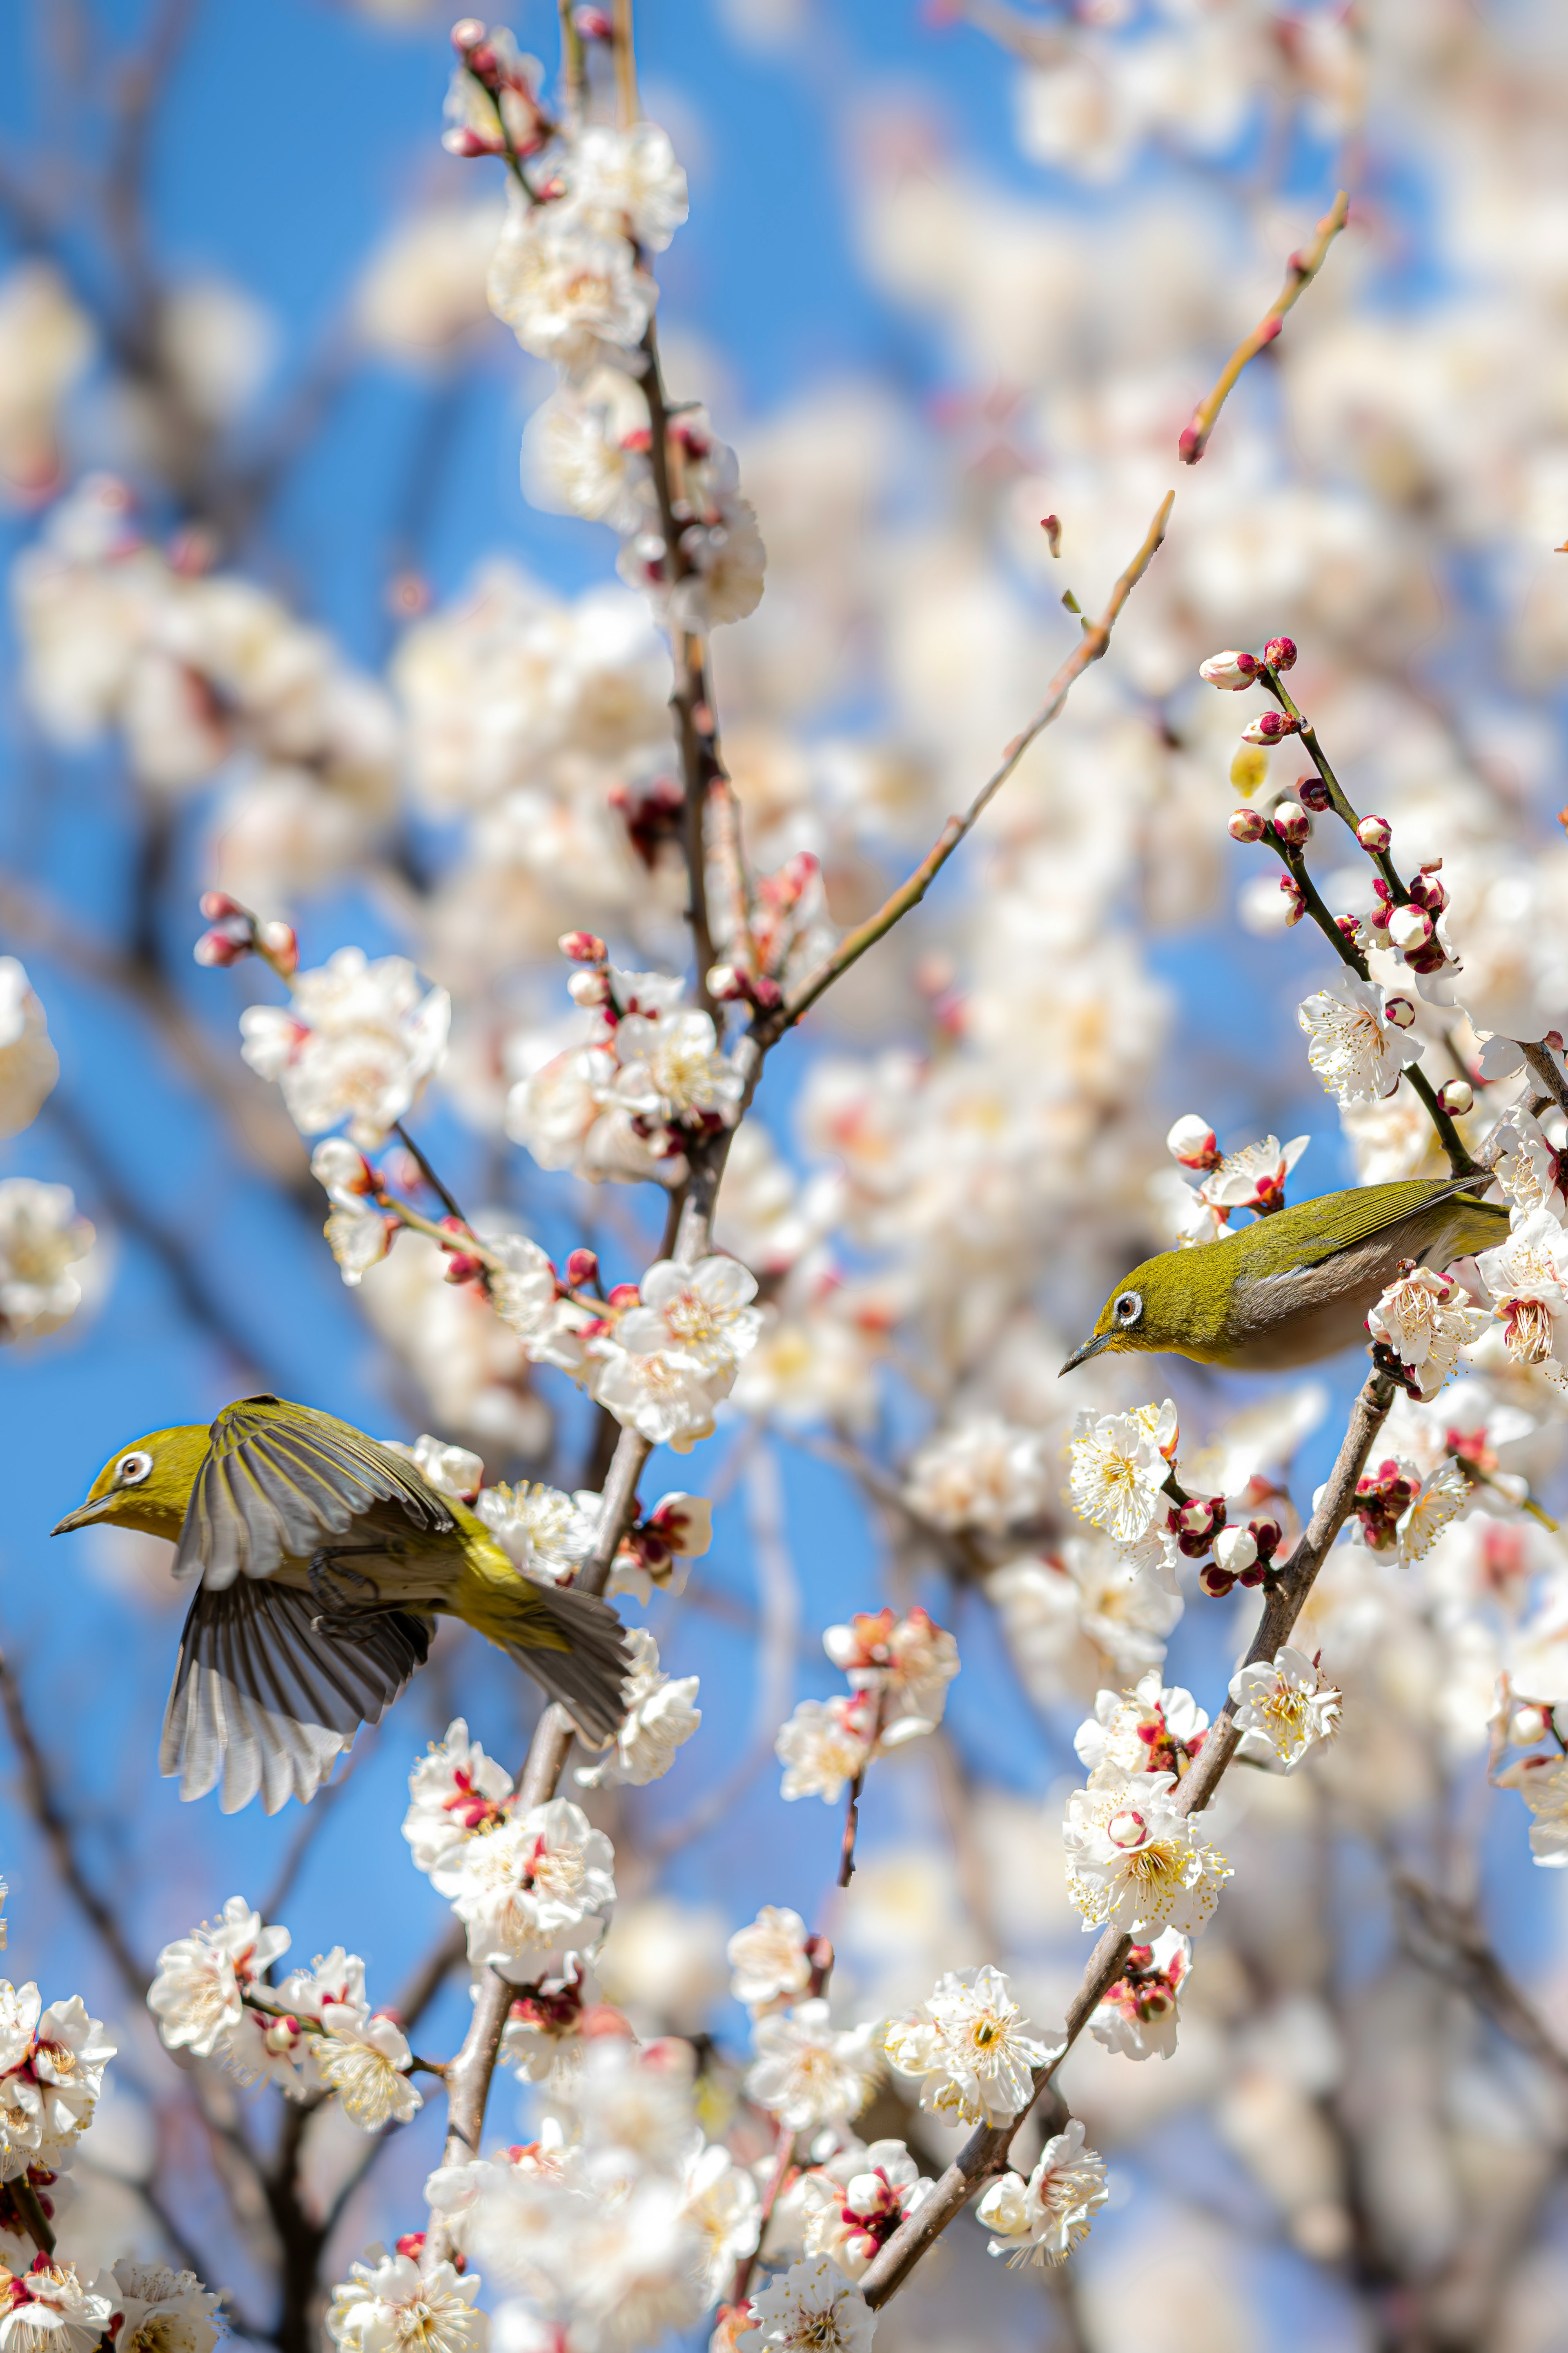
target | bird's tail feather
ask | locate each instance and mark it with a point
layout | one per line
(587, 1676)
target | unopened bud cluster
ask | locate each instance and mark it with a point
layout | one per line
(236, 932)
(1242, 1556)
(1383, 1497)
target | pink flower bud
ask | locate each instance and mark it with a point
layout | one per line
(726, 983)
(282, 945)
(215, 904)
(595, 25)
(1052, 526)
(1230, 670)
(1292, 824)
(1298, 907)
(582, 1270)
(1457, 1097)
(1279, 653)
(1409, 927)
(1269, 727)
(468, 144)
(1192, 1141)
(582, 947)
(1266, 1533)
(1216, 1582)
(217, 948)
(1401, 1012)
(1375, 833)
(1235, 1549)
(1127, 1830)
(766, 995)
(588, 989)
(1313, 794)
(626, 1295)
(1247, 825)
(467, 34)
(1426, 891)
(461, 1267)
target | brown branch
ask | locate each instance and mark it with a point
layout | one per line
(60, 1834)
(984, 2154)
(1448, 1939)
(1299, 272)
(1090, 646)
(628, 106)
(1538, 1055)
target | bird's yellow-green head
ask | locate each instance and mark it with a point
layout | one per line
(1176, 1303)
(146, 1484)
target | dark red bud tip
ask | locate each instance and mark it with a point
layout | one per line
(582, 947)
(1292, 824)
(1253, 1576)
(1052, 526)
(1189, 448)
(1313, 794)
(216, 948)
(625, 1295)
(1279, 653)
(766, 994)
(411, 2244)
(1375, 833)
(462, 1268)
(819, 1953)
(595, 25)
(1215, 1581)
(582, 1270)
(482, 60)
(1247, 825)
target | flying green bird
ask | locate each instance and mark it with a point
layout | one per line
(1296, 1286)
(319, 1559)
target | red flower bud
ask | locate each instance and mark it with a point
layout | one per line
(1292, 824)
(582, 947)
(1279, 653)
(1457, 1097)
(1247, 825)
(1313, 794)
(1215, 1581)
(582, 1270)
(1375, 833)
(625, 1295)
(217, 903)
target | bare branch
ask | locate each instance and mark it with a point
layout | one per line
(1090, 646)
(1299, 272)
(1448, 1939)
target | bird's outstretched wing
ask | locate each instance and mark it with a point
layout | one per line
(262, 1701)
(279, 1480)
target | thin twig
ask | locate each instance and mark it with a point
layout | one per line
(628, 106)
(1448, 1939)
(984, 2154)
(442, 1195)
(1299, 272)
(1090, 649)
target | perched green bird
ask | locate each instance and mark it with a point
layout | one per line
(1296, 1286)
(319, 1559)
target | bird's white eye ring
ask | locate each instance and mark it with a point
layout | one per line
(1128, 1308)
(132, 1468)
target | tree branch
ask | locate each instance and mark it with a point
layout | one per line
(1299, 272)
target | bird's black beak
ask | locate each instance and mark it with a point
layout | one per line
(83, 1516)
(1091, 1347)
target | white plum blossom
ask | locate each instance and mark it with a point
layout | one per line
(364, 2058)
(388, 2305)
(1041, 2221)
(528, 1884)
(1528, 1167)
(357, 1041)
(1425, 1319)
(628, 182)
(1442, 1497)
(569, 294)
(724, 2207)
(51, 2071)
(663, 1366)
(542, 1531)
(1134, 1862)
(907, 1662)
(855, 2201)
(1150, 1730)
(660, 1715)
(162, 2310)
(1528, 1279)
(981, 1473)
(970, 2046)
(50, 2309)
(671, 1070)
(529, 1298)
(28, 1062)
(455, 1470)
(1119, 1465)
(197, 1995)
(810, 2308)
(1542, 1782)
(1137, 2016)
(359, 1234)
(1282, 1710)
(769, 1959)
(657, 1551)
(455, 1790)
(544, 2023)
(42, 1239)
(1356, 1050)
(824, 1743)
(806, 2072)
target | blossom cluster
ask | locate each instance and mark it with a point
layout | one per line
(898, 1669)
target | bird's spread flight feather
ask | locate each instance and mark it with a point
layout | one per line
(280, 1479)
